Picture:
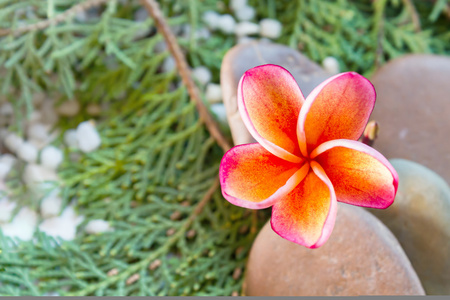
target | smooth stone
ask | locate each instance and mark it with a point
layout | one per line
(413, 110)
(420, 219)
(362, 257)
(245, 56)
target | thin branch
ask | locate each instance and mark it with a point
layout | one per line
(182, 66)
(54, 21)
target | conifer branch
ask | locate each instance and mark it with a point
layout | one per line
(83, 6)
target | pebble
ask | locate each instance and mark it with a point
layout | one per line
(202, 74)
(6, 163)
(22, 226)
(331, 65)
(38, 131)
(245, 40)
(160, 46)
(226, 24)
(34, 174)
(6, 209)
(69, 108)
(420, 219)
(246, 28)
(413, 110)
(51, 157)
(6, 109)
(88, 137)
(49, 115)
(202, 33)
(361, 257)
(97, 226)
(237, 4)
(213, 93)
(51, 204)
(141, 15)
(94, 109)
(64, 226)
(13, 142)
(70, 138)
(270, 28)
(211, 18)
(219, 110)
(246, 13)
(27, 152)
(168, 64)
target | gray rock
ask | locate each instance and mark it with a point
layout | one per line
(420, 219)
(413, 110)
(362, 257)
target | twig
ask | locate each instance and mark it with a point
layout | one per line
(182, 66)
(414, 15)
(53, 21)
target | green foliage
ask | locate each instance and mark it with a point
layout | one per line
(157, 161)
(362, 35)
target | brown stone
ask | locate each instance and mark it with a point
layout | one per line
(362, 257)
(246, 56)
(420, 219)
(413, 110)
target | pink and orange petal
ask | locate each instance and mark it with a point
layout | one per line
(307, 157)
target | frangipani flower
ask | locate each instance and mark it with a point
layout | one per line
(307, 157)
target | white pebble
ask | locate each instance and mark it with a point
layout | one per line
(270, 28)
(35, 117)
(6, 109)
(6, 162)
(27, 152)
(211, 18)
(22, 226)
(13, 142)
(6, 209)
(97, 226)
(70, 138)
(38, 131)
(168, 64)
(237, 4)
(88, 137)
(331, 65)
(213, 93)
(35, 174)
(49, 115)
(51, 204)
(161, 46)
(246, 28)
(202, 33)
(227, 24)
(246, 13)
(51, 157)
(202, 75)
(64, 226)
(219, 110)
(68, 108)
(245, 40)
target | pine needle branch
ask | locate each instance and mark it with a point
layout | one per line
(83, 6)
